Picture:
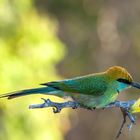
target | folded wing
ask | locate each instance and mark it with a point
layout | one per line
(89, 85)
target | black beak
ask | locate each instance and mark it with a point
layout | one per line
(136, 85)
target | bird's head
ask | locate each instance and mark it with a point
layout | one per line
(122, 76)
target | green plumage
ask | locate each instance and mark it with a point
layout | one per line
(94, 91)
(89, 85)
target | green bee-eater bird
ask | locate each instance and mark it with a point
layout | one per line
(93, 91)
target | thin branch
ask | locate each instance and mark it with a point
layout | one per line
(122, 125)
(123, 105)
(57, 107)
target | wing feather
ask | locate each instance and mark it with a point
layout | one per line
(89, 85)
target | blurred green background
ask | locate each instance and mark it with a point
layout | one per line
(44, 40)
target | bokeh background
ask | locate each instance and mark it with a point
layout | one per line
(44, 40)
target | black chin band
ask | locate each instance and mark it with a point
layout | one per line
(136, 85)
(124, 81)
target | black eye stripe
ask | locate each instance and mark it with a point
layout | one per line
(124, 81)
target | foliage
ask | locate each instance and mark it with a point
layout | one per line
(29, 52)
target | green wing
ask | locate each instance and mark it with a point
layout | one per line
(90, 85)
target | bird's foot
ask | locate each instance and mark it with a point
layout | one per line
(90, 108)
(57, 107)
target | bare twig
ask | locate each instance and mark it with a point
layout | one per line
(122, 125)
(123, 105)
(57, 107)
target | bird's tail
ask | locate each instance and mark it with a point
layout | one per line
(42, 90)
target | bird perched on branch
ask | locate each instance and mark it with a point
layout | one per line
(92, 91)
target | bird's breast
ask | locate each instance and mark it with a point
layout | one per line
(95, 101)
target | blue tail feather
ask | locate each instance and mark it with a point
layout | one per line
(42, 90)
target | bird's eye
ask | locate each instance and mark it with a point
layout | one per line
(124, 81)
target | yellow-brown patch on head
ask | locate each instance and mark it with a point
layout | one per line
(117, 72)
